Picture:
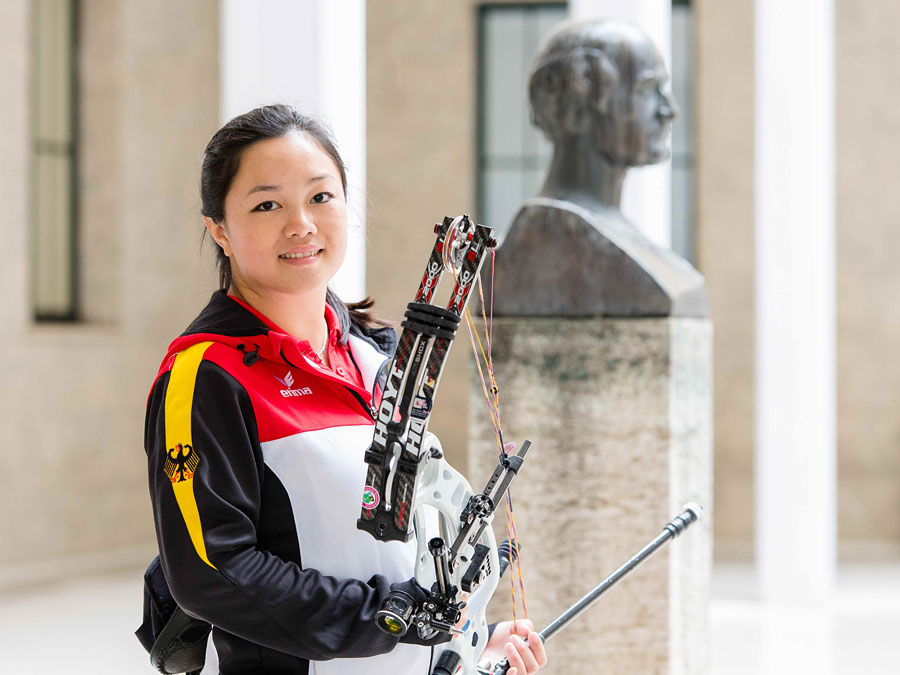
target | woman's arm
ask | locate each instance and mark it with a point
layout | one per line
(206, 472)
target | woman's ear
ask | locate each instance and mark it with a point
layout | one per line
(217, 232)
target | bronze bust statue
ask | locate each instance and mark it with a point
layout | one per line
(596, 91)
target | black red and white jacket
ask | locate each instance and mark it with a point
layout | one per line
(255, 453)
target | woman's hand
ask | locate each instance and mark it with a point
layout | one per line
(524, 659)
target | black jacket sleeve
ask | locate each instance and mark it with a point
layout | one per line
(218, 574)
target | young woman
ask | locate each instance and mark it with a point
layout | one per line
(258, 421)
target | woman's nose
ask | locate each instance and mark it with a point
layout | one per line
(300, 224)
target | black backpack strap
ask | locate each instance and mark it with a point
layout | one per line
(176, 641)
(181, 646)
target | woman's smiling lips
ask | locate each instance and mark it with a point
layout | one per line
(301, 255)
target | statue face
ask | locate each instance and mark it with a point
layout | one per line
(633, 129)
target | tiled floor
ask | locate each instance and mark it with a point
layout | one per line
(87, 627)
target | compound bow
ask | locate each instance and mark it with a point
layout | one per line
(407, 474)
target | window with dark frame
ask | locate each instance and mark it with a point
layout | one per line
(54, 153)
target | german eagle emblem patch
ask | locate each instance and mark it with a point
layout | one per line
(181, 463)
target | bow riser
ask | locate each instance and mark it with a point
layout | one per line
(442, 494)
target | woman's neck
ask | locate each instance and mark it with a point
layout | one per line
(302, 316)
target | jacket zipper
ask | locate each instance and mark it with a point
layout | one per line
(370, 411)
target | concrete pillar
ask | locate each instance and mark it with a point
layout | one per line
(795, 300)
(312, 55)
(647, 194)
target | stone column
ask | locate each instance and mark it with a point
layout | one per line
(619, 414)
(796, 382)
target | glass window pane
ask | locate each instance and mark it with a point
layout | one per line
(682, 212)
(683, 142)
(53, 159)
(533, 180)
(51, 235)
(683, 76)
(546, 17)
(53, 60)
(540, 22)
(506, 190)
(503, 82)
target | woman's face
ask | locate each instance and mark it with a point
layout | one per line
(285, 228)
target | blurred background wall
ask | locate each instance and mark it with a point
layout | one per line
(107, 105)
(868, 283)
(724, 250)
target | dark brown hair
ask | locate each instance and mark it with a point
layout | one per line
(221, 161)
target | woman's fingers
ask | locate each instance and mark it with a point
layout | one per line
(523, 627)
(526, 658)
(519, 655)
(513, 657)
(537, 648)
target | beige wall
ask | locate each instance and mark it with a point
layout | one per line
(421, 164)
(74, 491)
(725, 251)
(868, 282)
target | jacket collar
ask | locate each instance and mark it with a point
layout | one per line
(227, 320)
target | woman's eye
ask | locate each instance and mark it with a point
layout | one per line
(322, 198)
(266, 206)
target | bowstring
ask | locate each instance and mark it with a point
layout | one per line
(507, 448)
(509, 507)
(493, 402)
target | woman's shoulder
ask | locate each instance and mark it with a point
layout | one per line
(200, 366)
(383, 338)
(221, 330)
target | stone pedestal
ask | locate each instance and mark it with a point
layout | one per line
(619, 412)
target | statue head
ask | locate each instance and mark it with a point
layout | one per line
(604, 81)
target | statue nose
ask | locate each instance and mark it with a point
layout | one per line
(668, 109)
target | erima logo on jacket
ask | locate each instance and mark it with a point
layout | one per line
(288, 381)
